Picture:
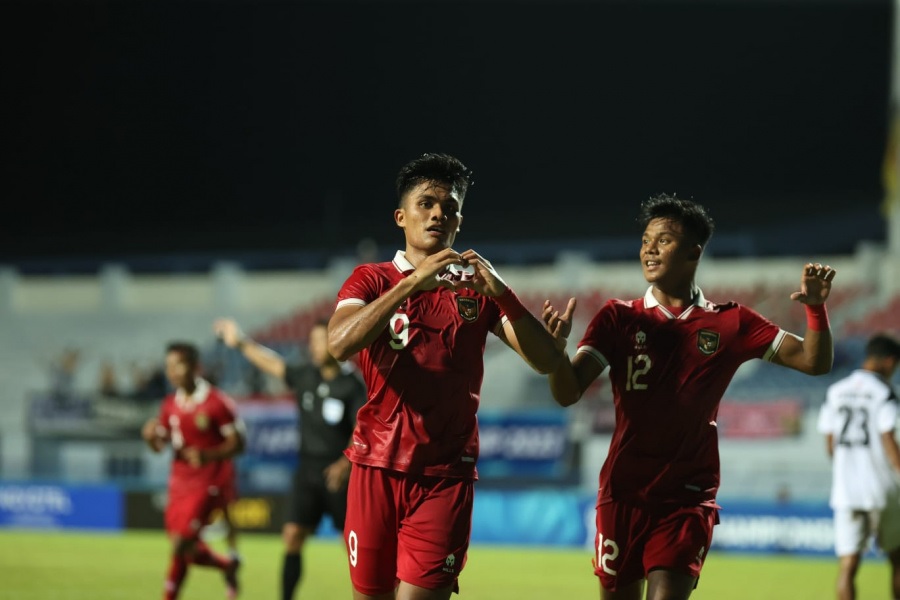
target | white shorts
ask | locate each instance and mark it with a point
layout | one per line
(854, 528)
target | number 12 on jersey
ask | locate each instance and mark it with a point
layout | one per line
(637, 367)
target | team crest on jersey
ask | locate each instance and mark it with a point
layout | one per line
(707, 341)
(201, 421)
(467, 307)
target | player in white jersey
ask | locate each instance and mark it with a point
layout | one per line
(858, 420)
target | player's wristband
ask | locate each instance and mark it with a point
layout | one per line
(816, 317)
(510, 304)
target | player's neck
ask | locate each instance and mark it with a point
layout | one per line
(415, 256)
(678, 297)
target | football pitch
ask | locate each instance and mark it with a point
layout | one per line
(125, 566)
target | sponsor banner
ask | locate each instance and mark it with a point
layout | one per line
(567, 518)
(258, 513)
(263, 513)
(30, 505)
(523, 444)
(273, 435)
(769, 419)
(512, 444)
(791, 528)
(534, 517)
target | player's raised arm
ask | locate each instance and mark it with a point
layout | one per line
(263, 358)
(354, 327)
(814, 353)
(571, 377)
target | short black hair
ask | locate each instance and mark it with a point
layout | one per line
(439, 168)
(882, 346)
(187, 350)
(692, 216)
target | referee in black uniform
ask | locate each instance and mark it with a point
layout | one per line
(328, 396)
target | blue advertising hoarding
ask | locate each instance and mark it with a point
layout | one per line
(534, 517)
(567, 518)
(530, 444)
(51, 506)
(273, 436)
(775, 528)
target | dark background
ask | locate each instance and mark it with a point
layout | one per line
(263, 129)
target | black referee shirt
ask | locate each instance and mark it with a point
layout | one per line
(327, 409)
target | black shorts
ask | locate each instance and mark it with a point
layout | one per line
(310, 500)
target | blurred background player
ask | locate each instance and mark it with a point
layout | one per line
(328, 397)
(858, 419)
(421, 329)
(671, 356)
(202, 426)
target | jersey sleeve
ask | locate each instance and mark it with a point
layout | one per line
(227, 418)
(886, 419)
(761, 337)
(598, 337)
(827, 417)
(363, 286)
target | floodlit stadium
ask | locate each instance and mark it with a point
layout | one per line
(201, 160)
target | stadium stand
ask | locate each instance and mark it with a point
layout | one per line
(884, 317)
(122, 319)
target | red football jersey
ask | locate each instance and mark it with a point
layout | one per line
(423, 374)
(668, 375)
(201, 420)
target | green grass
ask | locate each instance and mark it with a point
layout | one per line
(76, 566)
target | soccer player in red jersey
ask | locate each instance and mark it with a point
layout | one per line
(201, 424)
(671, 355)
(420, 323)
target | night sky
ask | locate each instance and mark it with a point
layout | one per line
(135, 127)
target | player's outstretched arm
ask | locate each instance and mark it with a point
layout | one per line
(525, 334)
(569, 380)
(814, 353)
(263, 358)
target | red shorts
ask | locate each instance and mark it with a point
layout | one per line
(229, 493)
(632, 541)
(402, 527)
(189, 510)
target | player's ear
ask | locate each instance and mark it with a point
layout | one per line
(458, 225)
(696, 252)
(400, 218)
